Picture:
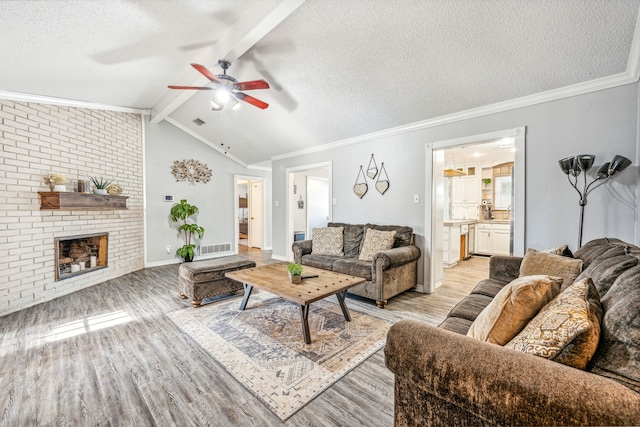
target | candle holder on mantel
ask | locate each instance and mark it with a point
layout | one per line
(574, 166)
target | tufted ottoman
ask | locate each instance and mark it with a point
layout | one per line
(204, 279)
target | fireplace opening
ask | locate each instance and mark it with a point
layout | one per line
(77, 255)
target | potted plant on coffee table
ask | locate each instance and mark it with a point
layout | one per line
(295, 273)
(180, 213)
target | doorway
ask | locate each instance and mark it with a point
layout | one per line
(309, 201)
(249, 211)
(256, 215)
(460, 183)
(317, 203)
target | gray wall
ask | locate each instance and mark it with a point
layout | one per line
(164, 144)
(602, 123)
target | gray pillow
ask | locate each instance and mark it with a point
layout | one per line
(327, 241)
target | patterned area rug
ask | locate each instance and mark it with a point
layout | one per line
(263, 347)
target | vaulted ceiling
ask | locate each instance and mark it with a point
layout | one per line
(337, 69)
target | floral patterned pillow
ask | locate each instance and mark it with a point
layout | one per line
(566, 330)
(376, 241)
(327, 241)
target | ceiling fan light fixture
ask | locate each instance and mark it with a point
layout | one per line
(228, 88)
(215, 105)
(223, 96)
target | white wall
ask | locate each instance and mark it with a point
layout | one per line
(215, 199)
(602, 123)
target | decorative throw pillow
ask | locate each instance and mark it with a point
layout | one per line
(376, 241)
(536, 262)
(327, 241)
(513, 307)
(567, 329)
(605, 270)
(560, 250)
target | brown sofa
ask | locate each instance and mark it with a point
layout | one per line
(390, 273)
(444, 378)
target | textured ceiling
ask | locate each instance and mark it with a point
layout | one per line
(338, 69)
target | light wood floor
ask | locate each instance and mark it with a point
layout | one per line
(109, 356)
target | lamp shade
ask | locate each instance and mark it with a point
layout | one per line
(566, 164)
(585, 161)
(603, 171)
(618, 164)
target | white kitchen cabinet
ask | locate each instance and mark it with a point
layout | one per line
(451, 245)
(483, 239)
(465, 190)
(500, 239)
(492, 239)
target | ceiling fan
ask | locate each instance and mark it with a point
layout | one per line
(228, 88)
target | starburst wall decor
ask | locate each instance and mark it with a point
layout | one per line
(191, 170)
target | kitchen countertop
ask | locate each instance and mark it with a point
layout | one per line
(459, 221)
(450, 222)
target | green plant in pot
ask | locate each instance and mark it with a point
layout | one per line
(180, 213)
(295, 273)
(100, 185)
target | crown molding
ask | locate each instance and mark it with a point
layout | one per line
(40, 99)
(204, 140)
(260, 168)
(525, 101)
(633, 65)
(631, 75)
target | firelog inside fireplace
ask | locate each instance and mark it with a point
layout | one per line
(80, 254)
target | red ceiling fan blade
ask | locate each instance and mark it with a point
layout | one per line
(191, 87)
(205, 72)
(254, 84)
(251, 100)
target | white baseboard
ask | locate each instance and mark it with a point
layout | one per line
(161, 263)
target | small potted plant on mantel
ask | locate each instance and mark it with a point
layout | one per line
(295, 273)
(100, 185)
(180, 213)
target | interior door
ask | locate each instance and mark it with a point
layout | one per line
(256, 212)
(317, 203)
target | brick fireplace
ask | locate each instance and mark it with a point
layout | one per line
(77, 255)
(40, 139)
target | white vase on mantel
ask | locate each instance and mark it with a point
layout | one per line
(102, 191)
(60, 188)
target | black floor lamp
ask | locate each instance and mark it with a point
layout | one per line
(573, 166)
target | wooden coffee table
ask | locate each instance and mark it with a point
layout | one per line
(274, 279)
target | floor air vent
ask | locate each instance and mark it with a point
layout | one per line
(214, 249)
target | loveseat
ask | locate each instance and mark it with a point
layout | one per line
(389, 272)
(444, 377)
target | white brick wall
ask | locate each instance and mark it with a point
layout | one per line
(39, 139)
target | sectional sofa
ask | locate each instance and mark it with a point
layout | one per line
(444, 377)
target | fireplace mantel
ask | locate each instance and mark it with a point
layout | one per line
(57, 200)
